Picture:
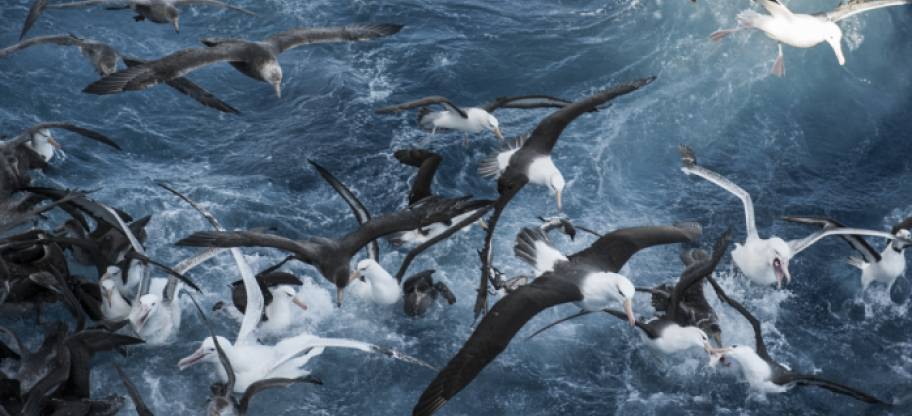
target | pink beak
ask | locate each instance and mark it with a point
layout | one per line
(191, 360)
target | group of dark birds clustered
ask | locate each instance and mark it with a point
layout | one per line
(45, 230)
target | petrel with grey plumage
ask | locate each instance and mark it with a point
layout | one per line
(257, 60)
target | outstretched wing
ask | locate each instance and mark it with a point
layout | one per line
(759, 345)
(270, 383)
(428, 211)
(610, 252)
(527, 102)
(534, 247)
(190, 89)
(34, 12)
(407, 261)
(305, 251)
(859, 244)
(310, 35)
(492, 336)
(545, 135)
(424, 102)
(690, 167)
(811, 380)
(141, 408)
(853, 7)
(173, 66)
(215, 3)
(799, 245)
(64, 40)
(360, 211)
(36, 129)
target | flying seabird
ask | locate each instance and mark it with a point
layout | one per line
(802, 30)
(470, 119)
(277, 288)
(252, 361)
(674, 330)
(884, 267)
(257, 60)
(588, 278)
(765, 260)
(332, 256)
(420, 292)
(156, 11)
(766, 375)
(531, 163)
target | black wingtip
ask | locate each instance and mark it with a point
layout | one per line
(688, 158)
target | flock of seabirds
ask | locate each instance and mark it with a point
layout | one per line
(125, 306)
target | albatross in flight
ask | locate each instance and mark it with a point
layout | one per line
(470, 119)
(588, 278)
(765, 260)
(531, 163)
(884, 267)
(257, 60)
(155, 11)
(802, 30)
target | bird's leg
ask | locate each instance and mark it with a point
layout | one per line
(779, 65)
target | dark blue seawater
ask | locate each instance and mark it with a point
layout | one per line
(824, 139)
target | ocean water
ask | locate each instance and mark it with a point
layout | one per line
(823, 140)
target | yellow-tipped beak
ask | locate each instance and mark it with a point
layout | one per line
(628, 308)
(177, 25)
(300, 304)
(278, 89)
(53, 142)
(560, 206)
(499, 134)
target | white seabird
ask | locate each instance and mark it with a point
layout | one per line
(802, 30)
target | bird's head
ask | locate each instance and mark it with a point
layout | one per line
(174, 17)
(140, 314)
(205, 353)
(491, 123)
(902, 242)
(778, 256)
(418, 297)
(833, 36)
(287, 293)
(272, 73)
(623, 291)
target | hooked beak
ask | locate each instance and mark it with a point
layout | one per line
(192, 359)
(560, 207)
(53, 142)
(107, 294)
(298, 302)
(499, 134)
(143, 318)
(837, 49)
(716, 355)
(628, 308)
(339, 295)
(278, 88)
(354, 275)
(176, 23)
(782, 273)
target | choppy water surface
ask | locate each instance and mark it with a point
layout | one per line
(823, 140)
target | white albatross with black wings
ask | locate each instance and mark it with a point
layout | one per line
(674, 331)
(764, 260)
(766, 375)
(257, 60)
(588, 278)
(470, 119)
(884, 267)
(803, 30)
(531, 163)
(155, 11)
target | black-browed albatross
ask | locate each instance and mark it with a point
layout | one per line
(531, 163)
(589, 278)
(257, 60)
